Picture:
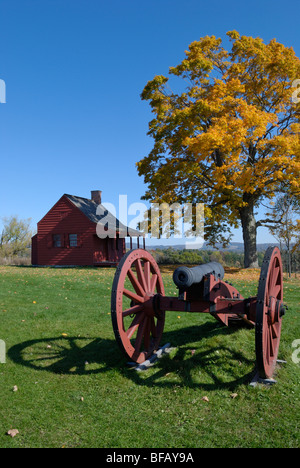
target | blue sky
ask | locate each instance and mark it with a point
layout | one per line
(74, 71)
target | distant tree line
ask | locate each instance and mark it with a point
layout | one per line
(15, 241)
(15, 248)
(227, 258)
(285, 214)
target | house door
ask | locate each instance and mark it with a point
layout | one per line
(100, 250)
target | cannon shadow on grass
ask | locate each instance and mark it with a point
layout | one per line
(191, 364)
(197, 363)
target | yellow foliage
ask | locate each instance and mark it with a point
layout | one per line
(232, 136)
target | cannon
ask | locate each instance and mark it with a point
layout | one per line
(139, 304)
(185, 277)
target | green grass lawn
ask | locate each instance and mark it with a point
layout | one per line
(75, 390)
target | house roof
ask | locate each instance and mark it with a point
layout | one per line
(89, 209)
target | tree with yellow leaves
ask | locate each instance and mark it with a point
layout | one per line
(229, 137)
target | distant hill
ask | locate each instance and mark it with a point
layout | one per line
(233, 247)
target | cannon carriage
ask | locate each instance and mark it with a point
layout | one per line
(139, 304)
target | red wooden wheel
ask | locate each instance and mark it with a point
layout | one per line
(269, 312)
(137, 321)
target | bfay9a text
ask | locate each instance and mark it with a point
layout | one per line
(152, 457)
(172, 457)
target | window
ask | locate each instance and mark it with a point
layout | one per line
(73, 240)
(56, 240)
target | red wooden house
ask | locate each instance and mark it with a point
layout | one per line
(67, 235)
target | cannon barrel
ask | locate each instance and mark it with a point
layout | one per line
(185, 277)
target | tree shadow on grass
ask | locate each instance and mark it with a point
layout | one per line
(192, 364)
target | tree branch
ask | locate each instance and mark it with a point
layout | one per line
(263, 222)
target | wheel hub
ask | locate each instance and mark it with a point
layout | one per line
(273, 311)
(276, 310)
(148, 305)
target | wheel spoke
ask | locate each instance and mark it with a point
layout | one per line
(135, 283)
(134, 297)
(153, 283)
(266, 347)
(271, 347)
(276, 291)
(147, 274)
(140, 273)
(273, 279)
(147, 335)
(274, 331)
(275, 276)
(140, 334)
(134, 325)
(132, 310)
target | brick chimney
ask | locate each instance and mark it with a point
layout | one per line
(96, 196)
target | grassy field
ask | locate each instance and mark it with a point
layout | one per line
(65, 383)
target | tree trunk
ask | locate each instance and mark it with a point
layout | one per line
(249, 235)
(289, 259)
